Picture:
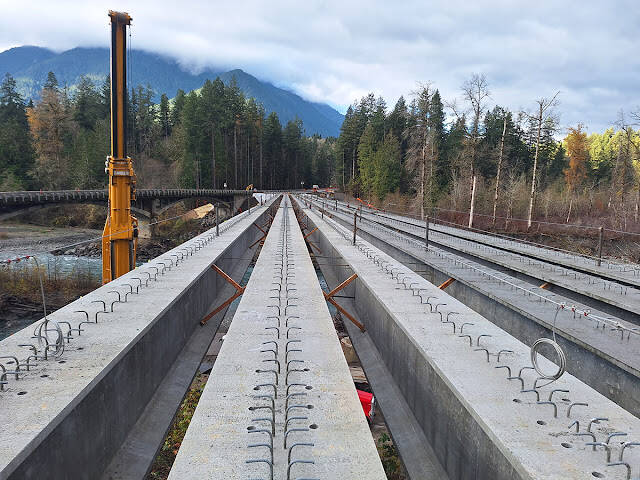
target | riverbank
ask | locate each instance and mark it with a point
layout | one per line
(27, 239)
(21, 297)
(69, 262)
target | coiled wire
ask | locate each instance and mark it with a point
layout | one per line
(43, 330)
(562, 358)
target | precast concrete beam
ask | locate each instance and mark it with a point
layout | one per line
(68, 415)
(480, 423)
(280, 383)
(605, 358)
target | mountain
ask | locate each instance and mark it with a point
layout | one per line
(30, 66)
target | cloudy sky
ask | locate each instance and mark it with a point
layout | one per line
(336, 51)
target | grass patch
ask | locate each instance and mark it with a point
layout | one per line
(389, 457)
(22, 280)
(167, 455)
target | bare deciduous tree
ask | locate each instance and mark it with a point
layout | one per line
(476, 92)
(543, 115)
(420, 152)
(495, 196)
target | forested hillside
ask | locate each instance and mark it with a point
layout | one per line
(202, 139)
(31, 65)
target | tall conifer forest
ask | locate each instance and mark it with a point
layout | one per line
(424, 151)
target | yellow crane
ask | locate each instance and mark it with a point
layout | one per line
(120, 237)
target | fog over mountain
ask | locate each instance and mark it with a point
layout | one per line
(30, 66)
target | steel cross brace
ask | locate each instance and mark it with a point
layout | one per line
(329, 298)
(259, 228)
(261, 239)
(306, 239)
(239, 291)
(446, 283)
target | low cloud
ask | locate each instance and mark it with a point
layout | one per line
(335, 52)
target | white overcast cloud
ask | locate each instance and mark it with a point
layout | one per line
(336, 52)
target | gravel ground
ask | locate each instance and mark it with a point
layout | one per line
(31, 239)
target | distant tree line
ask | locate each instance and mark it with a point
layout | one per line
(460, 155)
(201, 139)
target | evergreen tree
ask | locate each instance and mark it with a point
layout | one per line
(178, 105)
(191, 123)
(144, 120)
(602, 155)
(347, 146)
(293, 153)
(273, 150)
(442, 165)
(105, 98)
(378, 118)
(164, 118)
(387, 167)
(367, 161)
(16, 151)
(52, 82)
(87, 104)
(558, 164)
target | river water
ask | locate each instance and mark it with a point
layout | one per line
(57, 265)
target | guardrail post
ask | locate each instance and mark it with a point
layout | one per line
(217, 221)
(355, 225)
(600, 238)
(426, 234)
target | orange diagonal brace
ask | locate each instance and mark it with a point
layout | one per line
(342, 285)
(239, 291)
(328, 298)
(258, 227)
(305, 237)
(314, 246)
(345, 313)
(258, 240)
(446, 283)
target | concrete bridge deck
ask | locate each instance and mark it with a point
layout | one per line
(601, 357)
(480, 424)
(616, 271)
(467, 404)
(577, 275)
(612, 285)
(311, 402)
(68, 416)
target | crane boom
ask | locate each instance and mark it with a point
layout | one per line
(120, 238)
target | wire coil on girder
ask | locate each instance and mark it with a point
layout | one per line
(562, 358)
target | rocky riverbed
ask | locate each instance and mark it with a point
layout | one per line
(147, 249)
(23, 239)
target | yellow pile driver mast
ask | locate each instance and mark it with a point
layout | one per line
(120, 237)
